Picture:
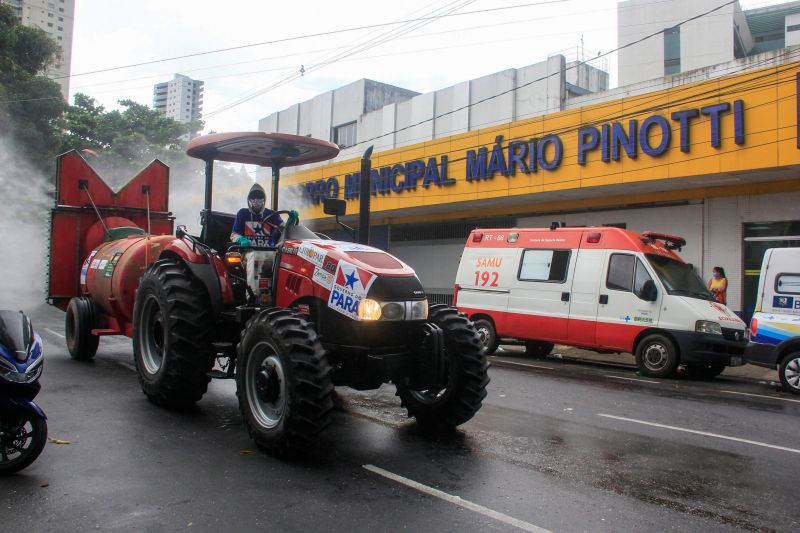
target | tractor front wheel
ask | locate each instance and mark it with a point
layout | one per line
(283, 382)
(171, 348)
(460, 397)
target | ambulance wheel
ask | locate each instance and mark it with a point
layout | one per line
(538, 349)
(171, 345)
(657, 357)
(789, 371)
(79, 322)
(459, 397)
(283, 382)
(487, 335)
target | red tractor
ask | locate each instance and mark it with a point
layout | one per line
(333, 313)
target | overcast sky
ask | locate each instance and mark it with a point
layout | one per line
(421, 56)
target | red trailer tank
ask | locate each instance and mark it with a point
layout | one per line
(111, 272)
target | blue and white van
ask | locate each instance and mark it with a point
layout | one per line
(775, 326)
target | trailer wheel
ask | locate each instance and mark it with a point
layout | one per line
(78, 323)
(538, 348)
(467, 376)
(283, 382)
(789, 372)
(487, 335)
(171, 346)
(657, 357)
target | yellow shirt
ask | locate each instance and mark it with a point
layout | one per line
(718, 285)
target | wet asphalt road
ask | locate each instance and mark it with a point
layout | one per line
(558, 445)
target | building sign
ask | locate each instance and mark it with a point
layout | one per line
(689, 130)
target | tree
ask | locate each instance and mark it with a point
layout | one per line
(30, 103)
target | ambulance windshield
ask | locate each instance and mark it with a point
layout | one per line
(679, 278)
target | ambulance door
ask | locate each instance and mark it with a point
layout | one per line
(623, 311)
(483, 278)
(586, 280)
(538, 304)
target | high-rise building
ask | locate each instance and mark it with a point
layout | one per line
(56, 18)
(180, 98)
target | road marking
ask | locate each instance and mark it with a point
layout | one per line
(704, 433)
(55, 333)
(761, 396)
(456, 500)
(523, 364)
(129, 366)
(633, 379)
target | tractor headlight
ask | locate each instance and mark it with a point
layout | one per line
(706, 326)
(393, 311)
(419, 310)
(369, 309)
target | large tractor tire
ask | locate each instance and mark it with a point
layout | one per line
(283, 382)
(78, 325)
(467, 375)
(171, 346)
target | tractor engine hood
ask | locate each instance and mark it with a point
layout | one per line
(349, 273)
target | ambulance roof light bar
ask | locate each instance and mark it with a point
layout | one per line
(671, 242)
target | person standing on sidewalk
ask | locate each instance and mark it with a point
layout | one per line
(718, 285)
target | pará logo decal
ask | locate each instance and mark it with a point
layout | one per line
(350, 286)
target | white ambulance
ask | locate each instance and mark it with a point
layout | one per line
(775, 326)
(605, 289)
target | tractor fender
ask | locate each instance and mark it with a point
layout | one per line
(208, 269)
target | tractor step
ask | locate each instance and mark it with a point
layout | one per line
(219, 374)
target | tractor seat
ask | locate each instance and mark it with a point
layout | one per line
(217, 230)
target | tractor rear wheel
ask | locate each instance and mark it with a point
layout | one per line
(467, 375)
(171, 345)
(79, 322)
(283, 382)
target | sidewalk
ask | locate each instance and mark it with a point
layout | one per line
(748, 372)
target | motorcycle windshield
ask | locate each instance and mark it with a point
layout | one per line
(16, 333)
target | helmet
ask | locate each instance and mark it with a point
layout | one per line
(256, 199)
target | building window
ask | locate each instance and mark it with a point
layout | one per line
(61, 28)
(49, 24)
(49, 15)
(345, 135)
(60, 9)
(61, 19)
(544, 265)
(672, 50)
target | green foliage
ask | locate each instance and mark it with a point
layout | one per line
(30, 103)
(124, 140)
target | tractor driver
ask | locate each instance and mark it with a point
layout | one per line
(255, 225)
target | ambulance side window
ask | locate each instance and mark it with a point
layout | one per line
(620, 272)
(640, 277)
(544, 265)
(787, 284)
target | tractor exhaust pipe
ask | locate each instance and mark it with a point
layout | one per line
(364, 196)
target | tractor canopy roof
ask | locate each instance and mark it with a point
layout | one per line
(260, 148)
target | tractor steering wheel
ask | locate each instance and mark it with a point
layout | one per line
(276, 226)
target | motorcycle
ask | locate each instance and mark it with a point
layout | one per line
(23, 424)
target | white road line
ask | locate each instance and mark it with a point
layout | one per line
(704, 433)
(54, 333)
(128, 365)
(524, 364)
(456, 500)
(761, 396)
(633, 379)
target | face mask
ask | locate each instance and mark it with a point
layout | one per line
(256, 204)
